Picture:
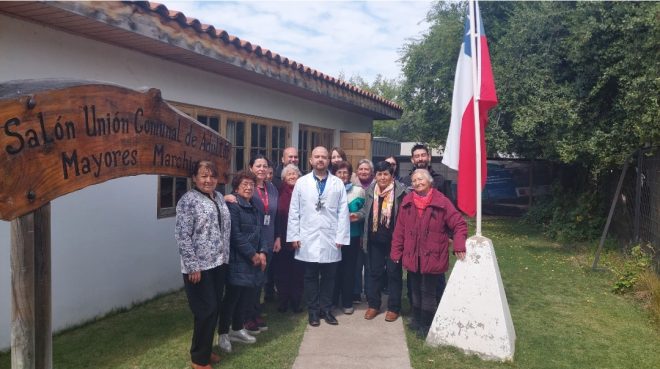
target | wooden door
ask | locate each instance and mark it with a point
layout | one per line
(357, 146)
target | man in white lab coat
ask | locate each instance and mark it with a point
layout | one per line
(318, 227)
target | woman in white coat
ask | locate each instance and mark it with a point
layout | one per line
(318, 226)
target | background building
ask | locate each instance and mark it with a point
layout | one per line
(113, 243)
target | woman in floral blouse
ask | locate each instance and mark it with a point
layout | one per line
(203, 227)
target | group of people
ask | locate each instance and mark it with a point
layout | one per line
(313, 237)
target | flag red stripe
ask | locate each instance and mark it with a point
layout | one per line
(467, 170)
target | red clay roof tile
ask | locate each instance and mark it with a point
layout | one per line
(195, 24)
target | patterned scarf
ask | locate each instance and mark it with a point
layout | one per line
(421, 202)
(386, 209)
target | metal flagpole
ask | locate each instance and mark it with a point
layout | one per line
(476, 87)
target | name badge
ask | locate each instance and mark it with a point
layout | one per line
(266, 220)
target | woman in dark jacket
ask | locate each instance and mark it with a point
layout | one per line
(288, 271)
(421, 243)
(247, 261)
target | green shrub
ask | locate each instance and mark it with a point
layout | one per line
(635, 265)
(567, 216)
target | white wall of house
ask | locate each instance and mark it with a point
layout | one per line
(108, 248)
(108, 251)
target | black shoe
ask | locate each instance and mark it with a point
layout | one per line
(423, 331)
(314, 319)
(329, 318)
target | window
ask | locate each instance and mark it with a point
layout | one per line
(248, 135)
(169, 192)
(310, 137)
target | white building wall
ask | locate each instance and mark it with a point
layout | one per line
(108, 251)
(108, 248)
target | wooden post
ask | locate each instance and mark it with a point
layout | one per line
(31, 339)
(42, 289)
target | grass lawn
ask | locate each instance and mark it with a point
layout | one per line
(157, 335)
(564, 314)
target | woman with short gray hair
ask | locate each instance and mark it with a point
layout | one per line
(421, 244)
(287, 271)
(364, 174)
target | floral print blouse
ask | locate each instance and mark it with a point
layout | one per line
(203, 240)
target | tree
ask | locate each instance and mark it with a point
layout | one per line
(577, 82)
(389, 89)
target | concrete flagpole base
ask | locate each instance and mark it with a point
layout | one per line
(473, 314)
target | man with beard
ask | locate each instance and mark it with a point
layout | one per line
(289, 156)
(318, 226)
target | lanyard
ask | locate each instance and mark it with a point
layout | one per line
(264, 199)
(320, 184)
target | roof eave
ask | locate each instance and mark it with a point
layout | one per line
(152, 29)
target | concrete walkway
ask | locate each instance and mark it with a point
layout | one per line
(355, 343)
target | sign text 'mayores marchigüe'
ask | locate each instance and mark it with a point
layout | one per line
(56, 141)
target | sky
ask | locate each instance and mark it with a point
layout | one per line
(353, 38)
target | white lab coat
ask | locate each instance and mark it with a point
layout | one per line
(319, 231)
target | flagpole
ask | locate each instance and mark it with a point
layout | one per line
(476, 87)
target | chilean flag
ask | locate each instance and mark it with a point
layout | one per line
(460, 150)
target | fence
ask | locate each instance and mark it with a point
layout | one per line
(637, 215)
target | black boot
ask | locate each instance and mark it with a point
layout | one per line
(427, 319)
(416, 320)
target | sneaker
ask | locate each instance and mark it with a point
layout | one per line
(348, 310)
(225, 343)
(252, 327)
(261, 323)
(241, 336)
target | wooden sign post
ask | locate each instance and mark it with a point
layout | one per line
(61, 136)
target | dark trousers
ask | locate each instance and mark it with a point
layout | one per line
(424, 287)
(361, 266)
(378, 255)
(253, 309)
(289, 274)
(346, 274)
(442, 283)
(319, 286)
(205, 299)
(236, 301)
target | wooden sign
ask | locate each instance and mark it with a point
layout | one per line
(61, 136)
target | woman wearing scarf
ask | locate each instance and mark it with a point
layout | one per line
(379, 213)
(421, 242)
(288, 272)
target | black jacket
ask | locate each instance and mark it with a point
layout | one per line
(245, 241)
(438, 180)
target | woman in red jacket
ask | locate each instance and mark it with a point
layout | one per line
(421, 242)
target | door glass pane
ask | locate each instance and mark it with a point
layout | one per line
(240, 134)
(255, 135)
(214, 123)
(181, 187)
(240, 162)
(166, 192)
(262, 136)
(282, 138)
(231, 132)
(203, 119)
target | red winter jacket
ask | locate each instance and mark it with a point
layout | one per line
(421, 242)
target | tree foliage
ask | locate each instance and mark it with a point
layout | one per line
(389, 89)
(577, 81)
